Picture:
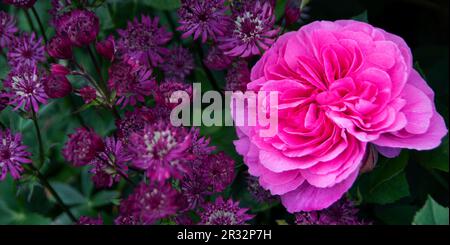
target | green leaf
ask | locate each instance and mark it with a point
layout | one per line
(6, 214)
(396, 214)
(387, 182)
(431, 214)
(436, 158)
(31, 219)
(104, 198)
(68, 194)
(361, 17)
(163, 4)
(389, 191)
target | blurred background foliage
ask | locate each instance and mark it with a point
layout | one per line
(410, 189)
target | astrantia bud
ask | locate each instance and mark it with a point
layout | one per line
(82, 147)
(88, 94)
(59, 47)
(57, 69)
(106, 48)
(20, 3)
(292, 11)
(79, 26)
(57, 86)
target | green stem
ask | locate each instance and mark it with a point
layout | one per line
(30, 22)
(55, 194)
(39, 136)
(41, 177)
(41, 27)
(94, 61)
(208, 72)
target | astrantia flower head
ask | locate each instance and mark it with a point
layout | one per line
(107, 48)
(257, 191)
(238, 76)
(160, 149)
(79, 26)
(7, 29)
(26, 50)
(110, 164)
(88, 94)
(252, 32)
(216, 59)
(200, 147)
(179, 63)
(57, 86)
(131, 82)
(21, 3)
(85, 220)
(59, 8)
(343, 212)
(203, 18)
(148, 203)
(59, 47)
(26, 88)
(224, 212)
(167, 88)
(341, 86)
(193, 189)
(218, 172)
(144, 41)
(133, 122)
(82, 147)
(12, 154)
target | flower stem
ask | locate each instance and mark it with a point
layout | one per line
(208, 72)
(94, 61)
(41, 27)
(41, 177)
(39, 137)
(47, 185)
(30, 22)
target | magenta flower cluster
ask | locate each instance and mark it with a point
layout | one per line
(347, 91)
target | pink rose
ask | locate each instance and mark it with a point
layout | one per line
(342, 85)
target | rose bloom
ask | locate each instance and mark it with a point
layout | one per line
(341, 85)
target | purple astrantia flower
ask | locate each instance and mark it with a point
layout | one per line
(79, 26)
(7, 29)
(167, 88)
(131, 82)
(12, 154)
(238, 76)
(160, 149)
(21, 3)
(60, 48)
(252, 31)
(82, 147)
(193, 189)
(59, 8)
(179, 63)
(218, 172)
(224, 212)
(147, 204)
(199, 148)
(203, 18)
(110, 164)
(56, 86)
(26, 50)
(238, 6)
(342, 212)
(85, 220)
(133, 122)
(88, 94)
(258, 192)
(144, 41)
(107, 48)
(26, 88)
(216, 60)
